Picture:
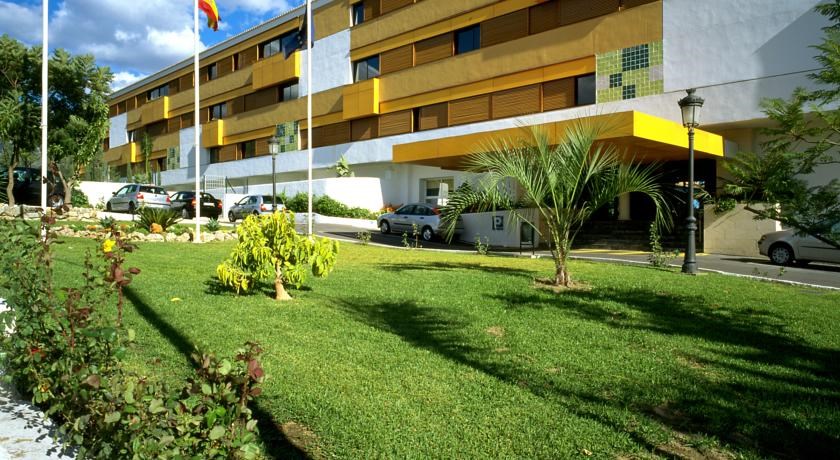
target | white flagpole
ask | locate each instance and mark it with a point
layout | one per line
(309, 110)
(45, 58)
(196, 126)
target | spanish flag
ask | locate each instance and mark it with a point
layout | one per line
(209, 8)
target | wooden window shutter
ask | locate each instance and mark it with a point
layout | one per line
(504, 28)
(580, 10)
(122, 107)
(173, 124)
(227, 152)
(187, 120)
(632, 3)
(174, 87)
(371, 11)
(113, 111)
(156, 129)
(139, 100)
(336, 133)
(395, 123)
(545, 16)
(185, 82)
(558, 94)
(131, 104)
(261, 146)
(225, 66)
(396, 59)
(432, 49)
(237, 105)
(247, 57)
(433, 116)
(469, 110)
(517, 101)
(204, 115)
(261, 98)
(364, 128)
(391, 5)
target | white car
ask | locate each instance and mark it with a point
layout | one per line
(786, 247)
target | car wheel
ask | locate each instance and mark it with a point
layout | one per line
(256, 213)
(231, 216)
(185, 214)
(55, 201)
(385, 227)
(781, 254)
(108, 207)
(427, 234)
(131, 208)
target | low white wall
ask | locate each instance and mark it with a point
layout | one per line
(735, 232)
(481, 225)
(99, 191)
(355, 192)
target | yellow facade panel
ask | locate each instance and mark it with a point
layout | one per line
(155, 110)
(123, 154)
(213, 133)
(275, 69)
(361, 99)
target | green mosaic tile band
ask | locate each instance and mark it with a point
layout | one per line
(629, 73)
(288, 134)
(173, 161)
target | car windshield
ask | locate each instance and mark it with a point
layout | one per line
(154, 190)
(207, 196)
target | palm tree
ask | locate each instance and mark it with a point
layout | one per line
(566, 183)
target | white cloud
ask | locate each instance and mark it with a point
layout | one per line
(263, 6)
(123, 79)
(21, 22)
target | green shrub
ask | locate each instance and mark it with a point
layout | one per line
(107, 222)
(66, 355)
(78, 199)
(298, 203)
(327, 206)
(163, 217)
(213, 225)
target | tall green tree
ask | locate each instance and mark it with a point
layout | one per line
(19, 105)
(566, 183)
(804, 138)
(78, 110)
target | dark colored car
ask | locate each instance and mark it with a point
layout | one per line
(184, 203)
(27, 187)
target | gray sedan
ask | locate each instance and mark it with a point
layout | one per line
(135, 196)
(252, 204)
(422, 217)
(786, 247)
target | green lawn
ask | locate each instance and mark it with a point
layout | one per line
(410, 354)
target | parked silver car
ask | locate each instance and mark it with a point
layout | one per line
(786, 247)
(135, 196)
(425, 217)
(252, 204)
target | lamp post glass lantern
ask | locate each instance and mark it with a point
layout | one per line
(274, 149)
(690, 106)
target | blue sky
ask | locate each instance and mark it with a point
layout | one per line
(134, 38)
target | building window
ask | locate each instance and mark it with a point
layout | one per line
(218, 111)
(585, 89)
(288, 92)
(248, 149)
(366, 68)
(212, 71)
(214, 154)
(275, 45)
(358, 13)
(158, 92)
(467, 39)
(436, 191)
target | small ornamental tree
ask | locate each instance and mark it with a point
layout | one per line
(269, 248)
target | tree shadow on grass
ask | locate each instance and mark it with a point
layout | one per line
(750, 383)
(277, 444)
(214, 287)
(454, 266)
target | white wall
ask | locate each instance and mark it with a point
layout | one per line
(331, 64)
(480, 226)
(99, 191)
(117, 133)
(187, 153)
(735, 232)
(720, 41)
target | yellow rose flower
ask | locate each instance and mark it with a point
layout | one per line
(108, 245)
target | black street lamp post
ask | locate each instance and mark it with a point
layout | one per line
(690, 106)
(274, 149)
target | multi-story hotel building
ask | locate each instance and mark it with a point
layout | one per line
(404, 89)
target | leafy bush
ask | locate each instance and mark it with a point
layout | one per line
(327, 206)
(270, 248)
(66, 355)
(658, 257)
(78, 199)
(298, 203)
(213, 225)
(107, 222)
(163, 217)
(724, 205)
